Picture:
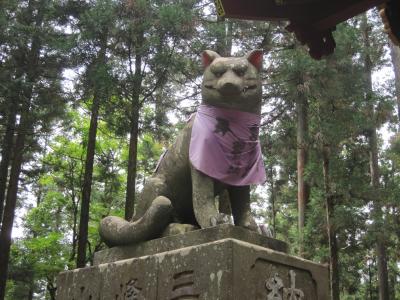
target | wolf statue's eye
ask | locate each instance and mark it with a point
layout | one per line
(240, 70)
(239, 73)
(218, 69)
(218, 73)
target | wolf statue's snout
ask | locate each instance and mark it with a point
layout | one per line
(229, 88)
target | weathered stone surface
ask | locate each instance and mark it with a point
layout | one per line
(130, 279)
(177, 228)
(191, 238)
(220, 270)
(199, 272)
(79, 284)
(177, 191)
(254, 266)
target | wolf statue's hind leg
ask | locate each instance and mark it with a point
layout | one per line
(152, 215)
(153, 187)
(117, 231)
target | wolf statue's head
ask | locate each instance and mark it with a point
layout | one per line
(232, 82)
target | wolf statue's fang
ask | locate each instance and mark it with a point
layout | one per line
(179, 193)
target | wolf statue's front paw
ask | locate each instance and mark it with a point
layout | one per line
(220, 219)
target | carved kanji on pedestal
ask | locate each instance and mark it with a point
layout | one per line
(275, 285)
(277, 291)
(132, 291)
(292, 293)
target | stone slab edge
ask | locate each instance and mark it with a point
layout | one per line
(192, 238)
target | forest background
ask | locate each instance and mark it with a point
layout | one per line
(92, 92)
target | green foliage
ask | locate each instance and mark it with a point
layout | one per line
(337, 119)
(148, 153)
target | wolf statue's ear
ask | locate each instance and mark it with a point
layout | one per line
(255, 57)
(208, 56)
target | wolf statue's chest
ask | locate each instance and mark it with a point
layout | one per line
(224, 145)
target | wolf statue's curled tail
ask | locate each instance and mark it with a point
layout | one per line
(217, 154)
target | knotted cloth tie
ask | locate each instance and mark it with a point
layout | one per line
(225, 146)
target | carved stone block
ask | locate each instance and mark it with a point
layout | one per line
(134, 279)
(79, 284)
(262, 273)
(224, 269)
(199, 272)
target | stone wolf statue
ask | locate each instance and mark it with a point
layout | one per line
(217, 153)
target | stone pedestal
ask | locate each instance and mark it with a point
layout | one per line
(223, 262)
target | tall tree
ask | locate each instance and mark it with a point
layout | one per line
(137, 78)
(298, 91)
(11, 198)
(6, 150)
(98, 21)
(145, 22)
(10, 93)
(330, 206)
(37, 99)
(374, 165)
(395, 56)
(302, 145)
(88, 174)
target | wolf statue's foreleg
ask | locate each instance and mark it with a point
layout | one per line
(204, 206)
(240, 206)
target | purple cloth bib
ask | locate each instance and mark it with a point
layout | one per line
(225, 146)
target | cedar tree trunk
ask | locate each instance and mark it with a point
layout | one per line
(11, 201)
(6, 155)
(302, 189)
(90, 151)
(133, 139)
(31, 67)
(87, 184)
(395, 55)
(331, 230)
(374, 169)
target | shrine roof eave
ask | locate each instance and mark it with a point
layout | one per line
(319, 14)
